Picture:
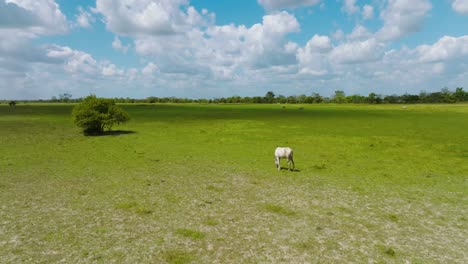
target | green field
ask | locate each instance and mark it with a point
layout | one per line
(198, 184)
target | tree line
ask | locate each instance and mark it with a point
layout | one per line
(443, 96)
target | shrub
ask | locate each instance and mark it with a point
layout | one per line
(94, 115)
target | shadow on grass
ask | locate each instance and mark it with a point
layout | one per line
(293, 170)
(112, 133)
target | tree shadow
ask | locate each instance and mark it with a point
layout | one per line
(113, 133)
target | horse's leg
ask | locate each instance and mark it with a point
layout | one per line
(277, 162)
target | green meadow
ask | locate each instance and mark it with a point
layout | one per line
(198, 184)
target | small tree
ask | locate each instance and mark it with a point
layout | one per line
(269, 97)
(65, 97)
(460, 95)
(94, 115)
(12, 103)
(339, 97)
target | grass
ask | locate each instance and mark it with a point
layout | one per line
(279, 210)
(198, 184)
(189, 233)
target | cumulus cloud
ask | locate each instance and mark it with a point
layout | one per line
(21, 21)
(109, 69)
(74, 62)
(338, 34)
(286, 4)
(84, 18)
(368, 12)
(358, 52)
(14, 16)
(312, 57)
(117, 45)
(222, 49)
(32, 16)
(359, 33)
(18, 54)
(350, 7)
(149, 69)
(184, 41)
(149, 17)
(460, 6)
(447, 48)
(402, 17)
(320, 44)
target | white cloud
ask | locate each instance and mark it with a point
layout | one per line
(285, 4)
(149, 17)
(402, 17)
(149, 69)
(350, 7)
(223, 49)
(110, 69)
(33, 16)
(368, 12)
(117, 45)
(74, 61)
(185, 41)
(14, 16)
(359, 33)
(338, 35)
(313, 58)
(21, 21)
(460, 6)
(84, 18)
(447, 48)
(358, 52)
(319, 44)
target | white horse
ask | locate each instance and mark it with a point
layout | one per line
(285, 152)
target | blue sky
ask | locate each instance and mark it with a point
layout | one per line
(207, 49)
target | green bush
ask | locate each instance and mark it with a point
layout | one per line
(94, 115)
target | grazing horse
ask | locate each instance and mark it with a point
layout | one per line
(286, 152)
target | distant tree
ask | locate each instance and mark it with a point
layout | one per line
(247, 100)
(460, 95)
(291, 99)
(65, 97)
(301, 98)
(269, 97)
(447, 95)
(12, 103)
(436, 97)
(257, 100)
(309, 100)
(392, 99)
(93, 115)
(373, 98)
(151, 99)
(356, 99)
(410, 98)
(339, 97)
(424, 97)
(317, 98)
(281, 99)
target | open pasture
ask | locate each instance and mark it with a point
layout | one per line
(198, 184)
